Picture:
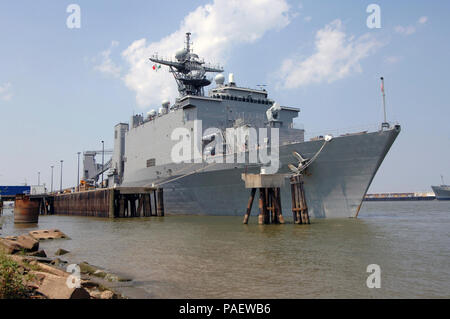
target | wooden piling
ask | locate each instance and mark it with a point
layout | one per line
(304, 212)
(147, 205)
(249, 205)
(133, 206)
(140, 200)
(155, 212)
(160, 202)
(112, 204)
(277, 201)
(299, 206)
(262, 206)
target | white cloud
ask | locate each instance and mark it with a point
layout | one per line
(423, 20)
(106, 65)
(6, 91)
(308, 19)
(215, 28)
(336, 56)
(408, 30)
(393, 59)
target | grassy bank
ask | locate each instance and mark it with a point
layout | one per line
(12, 279)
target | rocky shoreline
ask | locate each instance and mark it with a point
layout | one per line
(48, 278)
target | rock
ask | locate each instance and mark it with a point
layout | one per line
(107, 294)
(95, 294)
(61, 252)
(48, 234)
(58, 262)
(99, 273)
(88, 284)
(36, 279)
(14, 244)
(86, 268)
(28, 242)
(55, 287)
(8, 246)
(53, 270)
(39, 253)
(40, 259)
(116, 278)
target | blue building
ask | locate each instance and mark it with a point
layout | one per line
(14, 190)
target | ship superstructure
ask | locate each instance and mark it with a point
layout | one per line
(144, 148)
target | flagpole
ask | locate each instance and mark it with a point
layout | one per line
(385, 124)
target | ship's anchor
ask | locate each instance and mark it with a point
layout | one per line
(303, 163)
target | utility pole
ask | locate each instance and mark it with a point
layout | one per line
(39, 178)
(78, 175)
(103, 159)
(51, 188)
(60, 184)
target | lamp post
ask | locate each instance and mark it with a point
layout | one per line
(385, 124)
(60, 183)
(78, 174)
(39, 178)
(103, 159)
(51, 191)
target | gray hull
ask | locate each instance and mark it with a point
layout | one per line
(442, 192)
(335, 184)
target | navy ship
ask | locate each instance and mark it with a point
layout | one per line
(442, 192)
(340, 168)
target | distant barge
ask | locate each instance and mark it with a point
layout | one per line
(399, 197)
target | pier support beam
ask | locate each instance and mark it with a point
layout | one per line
(249, 205)
(299, 206)
(160, 209)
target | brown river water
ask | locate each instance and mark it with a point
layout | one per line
(219, 257)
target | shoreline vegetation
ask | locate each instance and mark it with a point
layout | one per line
(27, 273)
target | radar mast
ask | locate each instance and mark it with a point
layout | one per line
(188, 70)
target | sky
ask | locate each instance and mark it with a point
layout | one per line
(63, 89)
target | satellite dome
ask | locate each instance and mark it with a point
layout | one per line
(151, 113)
(180, 54)
(220, 79)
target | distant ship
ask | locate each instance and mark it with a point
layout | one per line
(442, 192)
(335, 183)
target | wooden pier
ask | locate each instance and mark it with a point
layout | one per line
(269, 197)
(269, 186)
(119, 202)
